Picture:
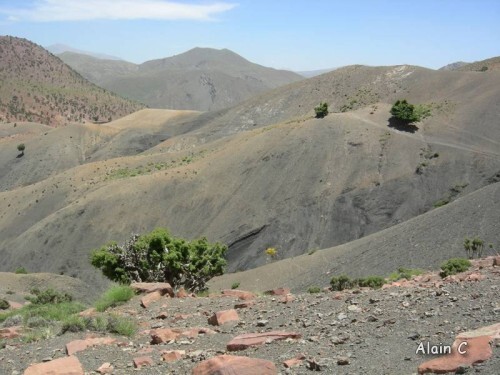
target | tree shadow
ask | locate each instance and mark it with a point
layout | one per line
(20, 155)
(401, 125)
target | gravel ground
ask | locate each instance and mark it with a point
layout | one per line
(378, 331)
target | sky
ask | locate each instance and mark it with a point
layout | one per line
(297, 35)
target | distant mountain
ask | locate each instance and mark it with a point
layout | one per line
(200, 79)
(37, 86)
(314, 73)
(57, 49)
(489, 65)
(454, 66)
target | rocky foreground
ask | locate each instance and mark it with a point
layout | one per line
(385, 331)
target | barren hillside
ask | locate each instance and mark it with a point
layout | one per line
(200, 79)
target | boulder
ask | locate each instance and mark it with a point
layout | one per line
(241, 294)
(222, 317)
(149, 298)
(61, 366)
(80, 345)
(230, 365)
(247, 340)
(163, 288)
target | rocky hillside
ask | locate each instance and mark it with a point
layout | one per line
(200, 79)
(265, 174)
(357, 331)
(492, 64)
(39, 87)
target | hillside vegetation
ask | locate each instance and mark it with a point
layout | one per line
(38, 87)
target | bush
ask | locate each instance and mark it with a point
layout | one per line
(21, 270)
(160, 257)
(404, 111)
(374, 282)
(473, 246)
(341, 282)
(114, 296)
(235, 285)
(454, 266)
(321, 110)
(21, 147)
(314, 289)
(4, 305)
(48, 296)
(404, 273)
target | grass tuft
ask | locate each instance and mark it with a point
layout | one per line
(114, 296)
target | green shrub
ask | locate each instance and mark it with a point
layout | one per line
(21, 270)
(158, 256)
(473, 246)
(341, 282)
(73, 323)
(121, 326)
(21, 147)
(321, 110)
(114, 296)
(454, 266)
(374, 282)
(235, 285)
(408, 113)
(404, 273)
(4, 305)
(314, 289)
(48, 296)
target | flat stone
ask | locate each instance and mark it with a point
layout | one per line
(478, 349)
(287, 298)
(294, 362)
(247, 340)
(80, 345)
(172, 355)
(106, 368)
(232, 365)
(163, 288)
(165, 335)
(61, 366)
(149, 298)
(278, 292)
(222, 317)
(241, 294)
(15, 305)
(143, 362)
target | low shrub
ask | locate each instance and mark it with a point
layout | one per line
(48, 296)
(341, 282)
(20, 271)
(404, 273)
(114, 296)
(314, 289)
(321, 110)
(454, 266)
(235, 285)
(374, 282)
(4, 305)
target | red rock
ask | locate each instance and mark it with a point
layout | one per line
(88, 313)
(15, 305)
(241, 294)
(165, 335)
(149, 298)
(222, 317)
(181, 293)
(162, 315)
(496, 261)
(10, 332)
(173, 355)
(294, 362)
(144, 351)
(106, 368)
(338, 296)
(475, 277)
(232, 365)
(143, 362)
(288, 298)
(247, 340)
(61, 366)
(178, 317)
(244, 305)
(478, 349)
(79, 345)
(163, 288)
(278, 292)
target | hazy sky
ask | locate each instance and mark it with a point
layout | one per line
(291, 34)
